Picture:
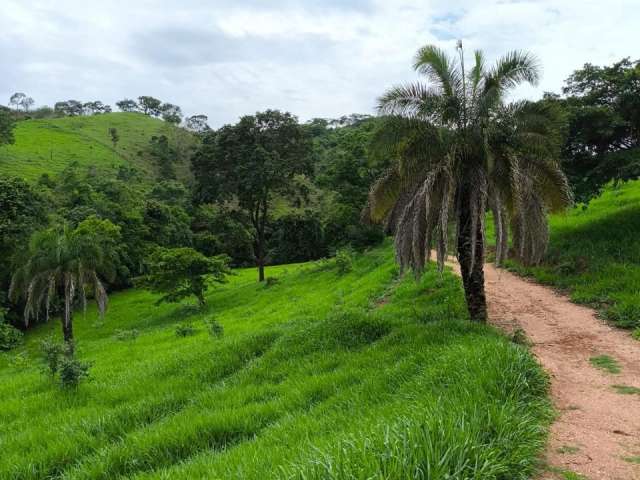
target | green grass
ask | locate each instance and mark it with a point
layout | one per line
(594, 255)
(635, 459)
(626, 389)
(606, 363)
(50, 145)
(568, 450)
(314, 377)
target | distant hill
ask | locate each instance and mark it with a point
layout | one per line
(50, 145)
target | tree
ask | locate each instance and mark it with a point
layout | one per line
(178, 273)
(27, 103)
(115, 137)
(16, 99)
(603, 108)
(127, 105)
(149, 106)
(171, 113)
(95, 108)
(249, 163)
(7, 124)
(164, 155)
(61, 262)
(457, 147)
(69, 108)
(197, 123)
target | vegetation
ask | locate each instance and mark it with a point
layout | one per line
(606, 363)
(178, 273)
(312, 362)
(459, 148)
(594, 254)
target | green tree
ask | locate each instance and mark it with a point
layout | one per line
(248, 164)
(65, 263)
(127, 105)
(171, 113)
(164, 155)
(115, 137)
(149, 105)
(603, 108)
(457, 147)
(7, 124)
(179, 273)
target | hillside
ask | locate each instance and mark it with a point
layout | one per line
(49, 145)
(595, 254)
(319, 375)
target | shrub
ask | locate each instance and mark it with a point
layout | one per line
(126, 335)
(636, 334)
(52, 352)
(72, 371)
(270, 282)
(60, 361)
(213, 326)
(10, 336)
(344, 260)
(185, 330)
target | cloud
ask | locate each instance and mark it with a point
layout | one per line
(315, 58)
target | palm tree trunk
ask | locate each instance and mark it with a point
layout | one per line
(67, 321)
(471, 259)
(67, 334)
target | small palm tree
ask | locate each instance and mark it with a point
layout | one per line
(65, 263)
(458, 150)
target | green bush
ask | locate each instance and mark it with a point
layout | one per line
(72, 371)
(126, 335)
(10, 336)
(213, 326)
(270, 282)
(185, 330)
(52, 352)
(344, 260)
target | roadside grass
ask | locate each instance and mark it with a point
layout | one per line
(606, 363)
(50, 145)
(312, 378)
(626, 389)
(594, 255)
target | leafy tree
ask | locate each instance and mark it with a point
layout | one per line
(69, 108)
(115, 137)
(167, 225)
(95, 108)
(249, 163)
(127, 105)
(171, 113)
(16, 99)
(164, 155)
(197, 123)
(457, 147)
(603, 108)
(61, 262)
(178, 273)
(149, 106)
(27, 103)
(7, 124)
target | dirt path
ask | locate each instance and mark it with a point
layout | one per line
(598, 427)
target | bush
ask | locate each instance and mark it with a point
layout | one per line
(72, 371)
(270, 282)
(185, 330)
(126, 335)
(60, 360)
(636, 334)
(213, 326)
(52, 352)
(344, 260)
(10, 336)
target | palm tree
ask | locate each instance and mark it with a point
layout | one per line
(458, 150)
(65, 263)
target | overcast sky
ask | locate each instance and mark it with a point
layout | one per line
(314, 58)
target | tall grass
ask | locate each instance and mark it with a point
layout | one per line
(594, 254)
(322, 375)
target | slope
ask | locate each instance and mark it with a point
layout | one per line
(594, 254)
(318, 375)
(50, 145)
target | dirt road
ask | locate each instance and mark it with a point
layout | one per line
(597, 433)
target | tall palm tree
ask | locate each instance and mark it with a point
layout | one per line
(458, 150)
(64, 263)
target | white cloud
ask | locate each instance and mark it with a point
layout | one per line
(314, 58)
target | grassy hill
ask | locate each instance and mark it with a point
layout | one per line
(49, 145)
(595, 255)
(320, 375)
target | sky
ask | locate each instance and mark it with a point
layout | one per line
(314, 58)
